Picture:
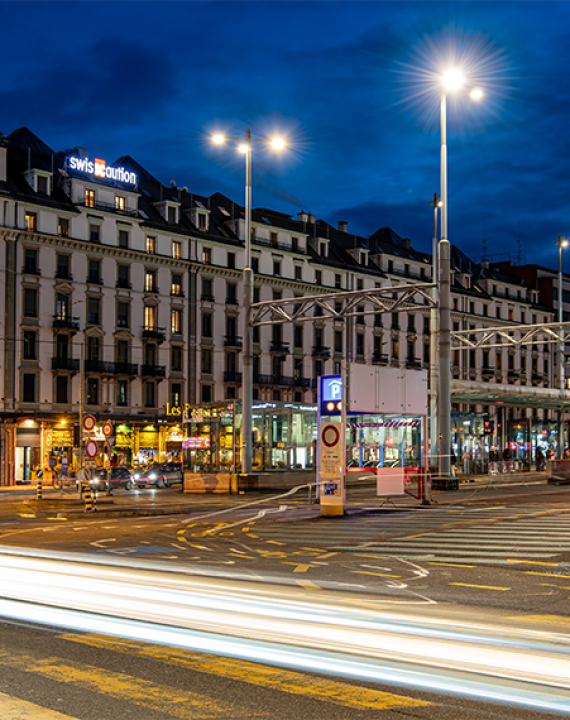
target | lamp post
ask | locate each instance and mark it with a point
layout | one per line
(247, 351)
(433, 366)
(452, 80)
(561, 243)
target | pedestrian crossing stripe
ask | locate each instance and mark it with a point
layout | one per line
(13, 708)
(286, 681)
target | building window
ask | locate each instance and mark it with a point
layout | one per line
(360, 317)
(30, 302)
(31, 261)
(256, 294)
(30, 221)
(298, 272)
(202, 222)
(29, 387)
(62, 306)
(206, 325)
(323, 249)
(30, 345)
(277, 268)
(176, 394)
(123, 276)
(176, 288)
(150, 244)
(124, 238)
(90, 198)
(338, 341)
(63, 267)
(207, 255)
(337, 281)
(176, 358)
(231, 260)
(94, 271)
(298, 336)
(231, 327)
(395, 350)
(172, 215)
(318, 277)
(63, 227)
(273, 239)
(93, 311)
(62, 389)
(122, 393)
(92, 391)
(123, 314)
(122, 352)
(176, 250)
(42, 185)
(149, 391)
(207, 293)
(360, 344)
(359, 284)
(150, 281)
(120, 202)
(176, 321)
(231, 293)
(94, 233)
(255, 264)
(150, 317)
(206, 361)
(206, 393)
(294, 244)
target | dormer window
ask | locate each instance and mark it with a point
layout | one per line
(43, 185)
(39, 181)
(89, 198)
(363, 258)
(323, 249)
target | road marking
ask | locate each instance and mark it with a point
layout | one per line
(294, 683)
(531, 562)
(366, 572)
(308, 585)
(319, 550)
(172, 701)
(99, 543)
(532, 572)
(247, 557)
(271, 542)
(328, 555)
(560, 587)
(432, 562)
(298, 568)
(12, 708)
(481, 587)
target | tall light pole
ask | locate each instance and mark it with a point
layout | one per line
(561, 243)
(247, 350)
(433, 366)
(452, 80)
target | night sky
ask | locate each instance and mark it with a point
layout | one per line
(351, 86)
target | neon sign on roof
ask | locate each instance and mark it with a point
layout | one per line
(99, 169)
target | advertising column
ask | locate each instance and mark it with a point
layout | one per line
(332, 446)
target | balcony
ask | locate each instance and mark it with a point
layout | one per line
(231, 376)
(487, 372)
(413, 363)
(158, 371)
(61, 322)
(123, 284)
(93, 279)
(63, 275)
(288, 247)
(233, 341)
(282, 381)
(62, 363)
(379, 359)
(125, 368)
(31, 270)
(321, 351)
(207, 298)
(110, 207)
(279, 347)
(154, 333)
(101, 367)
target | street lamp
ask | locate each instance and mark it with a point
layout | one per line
(434, 370)
(561, 243)
(247, 352)
(451, 81)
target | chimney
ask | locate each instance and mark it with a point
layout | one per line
(312, 219)
(302, 217)
(3, 151)
(343, 226)
(407, 243)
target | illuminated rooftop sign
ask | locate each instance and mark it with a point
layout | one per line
(99, 169)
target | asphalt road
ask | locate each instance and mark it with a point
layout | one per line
(495, 550)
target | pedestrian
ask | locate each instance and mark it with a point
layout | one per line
(567, 453)
(539, 458)
(453, 463)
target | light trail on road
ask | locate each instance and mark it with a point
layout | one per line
(346, 634)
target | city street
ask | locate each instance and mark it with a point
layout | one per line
(494, 560)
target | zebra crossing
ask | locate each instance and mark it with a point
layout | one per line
(491, 536)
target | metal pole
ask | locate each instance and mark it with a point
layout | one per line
(80, 485)
(247, 353)
(444, 311)
(433, 365)
(561, 379)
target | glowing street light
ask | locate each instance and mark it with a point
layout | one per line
(451, 81)
(247, 351)
(561, 243)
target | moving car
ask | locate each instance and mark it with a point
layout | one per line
(119, 477)
(160, 475)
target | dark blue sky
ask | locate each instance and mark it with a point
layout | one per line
(351, 85)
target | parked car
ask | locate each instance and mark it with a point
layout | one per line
(160, 475)
(119, 477)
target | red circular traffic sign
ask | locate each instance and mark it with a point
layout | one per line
(330, 435)
(91, 448)
(89, 422)
(107, 429)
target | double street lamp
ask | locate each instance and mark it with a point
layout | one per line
(247, 351)
(451, 81)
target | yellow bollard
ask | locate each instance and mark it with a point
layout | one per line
(94, 499)
(87, 496)
(39, 478)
